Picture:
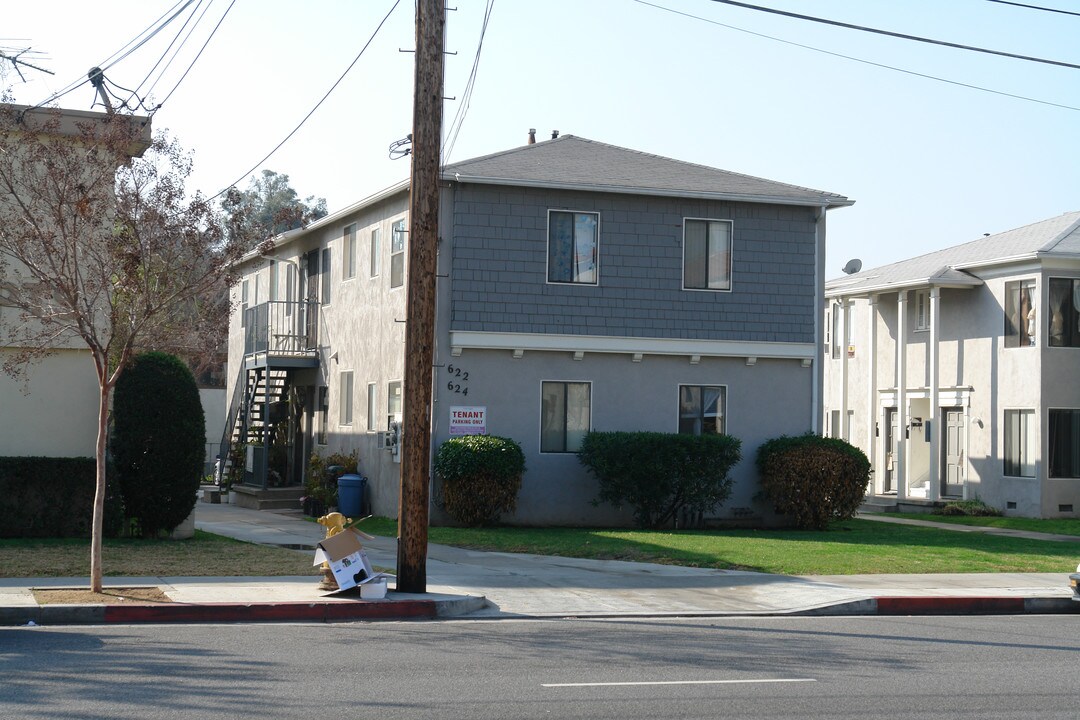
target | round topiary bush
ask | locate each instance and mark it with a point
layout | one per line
(481, 477)
(158, 442)
(813, 480)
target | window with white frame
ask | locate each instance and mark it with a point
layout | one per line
(565, 415)
(1019, 443)
(273, 280)
(348, 270)
(922, 310)
(573, 247)
(393, 403)
(702, 409)
(706, 254)
(837, 319)
(1064, 444)
(290, 288)
(243, 303)
(1020, 322)
(374, 270)
(346, 397)
(397, 254)
(324, 414)
(372, 407)
(1064, 312)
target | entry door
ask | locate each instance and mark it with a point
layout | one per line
(952, 460)
(890, 450)
(310, 294)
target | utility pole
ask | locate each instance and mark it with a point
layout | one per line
(423, 243)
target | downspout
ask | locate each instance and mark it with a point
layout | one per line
(818, 367)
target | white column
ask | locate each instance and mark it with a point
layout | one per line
(871, 389)
(934, 487)
(901, 396)
(845, 317)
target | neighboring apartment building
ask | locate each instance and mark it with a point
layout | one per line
(53, 410)
(581, 286)
(956, 372)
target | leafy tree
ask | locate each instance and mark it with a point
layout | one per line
(158, 441)
(271, 206)
(102, 249)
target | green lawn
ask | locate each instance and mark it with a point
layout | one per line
(850, 547)
(1055, 527)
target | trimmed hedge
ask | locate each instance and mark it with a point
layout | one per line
(481, 477)
(661, 474)
(812, 479)
(158, 441)
(42, 497)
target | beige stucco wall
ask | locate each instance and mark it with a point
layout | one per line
(55, 412)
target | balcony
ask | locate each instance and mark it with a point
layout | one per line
(282, 333)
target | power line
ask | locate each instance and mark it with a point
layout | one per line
(890, 33)
(860, 60)
(317, 105)
(165, 53)
(466, 98)
(197, 56)
(1035, 7)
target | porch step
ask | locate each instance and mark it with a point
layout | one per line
(878, 504)
(254, 498)
(890, 504)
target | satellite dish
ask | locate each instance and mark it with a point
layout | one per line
(853, 266)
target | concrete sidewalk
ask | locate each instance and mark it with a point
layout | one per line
(473, 584)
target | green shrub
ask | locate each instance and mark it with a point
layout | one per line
(320, 487)
(43, 497)
(813, 480)
(660, 474)
(481, 477)
(970, 508)
(158, 442)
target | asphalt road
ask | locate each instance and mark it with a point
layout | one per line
(857, 667)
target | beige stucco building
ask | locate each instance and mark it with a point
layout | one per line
(956, 371)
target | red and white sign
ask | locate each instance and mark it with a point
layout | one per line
(468, 420)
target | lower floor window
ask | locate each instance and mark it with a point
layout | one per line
(1019, 443)
(393, 403)
(1064, 443)
(324, 412)
(702, 409)
(565, 415)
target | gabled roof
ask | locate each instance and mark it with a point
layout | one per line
(577, 163)
(1056, 237)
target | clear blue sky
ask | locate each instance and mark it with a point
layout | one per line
(929, 164)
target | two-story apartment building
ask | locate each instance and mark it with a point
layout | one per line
(581, 286)
(956, 371)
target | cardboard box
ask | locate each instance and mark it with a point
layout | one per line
(349, 563)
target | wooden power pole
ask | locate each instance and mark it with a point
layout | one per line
(423, 243)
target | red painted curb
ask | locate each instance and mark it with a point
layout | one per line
(270, 612)
(949, 605)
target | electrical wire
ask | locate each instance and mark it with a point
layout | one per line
(466, 98)
(196, 58)
(169, 48)
(890, 33)
(861, 60)
(1035, 7)
(317, 105)
(184, 42)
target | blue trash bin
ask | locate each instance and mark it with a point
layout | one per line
(351, 495)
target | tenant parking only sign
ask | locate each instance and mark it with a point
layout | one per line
(468, 420)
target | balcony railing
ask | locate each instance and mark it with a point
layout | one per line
(281, 327)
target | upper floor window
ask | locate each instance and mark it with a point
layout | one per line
(273, 280)
(706, 254)
(324, 413)
(243, 303)
(565, 415)
(922, 310)
(397, 254)
(573, 244)
(346, 398)
(1020, 321)
(1064, 312)
(837, 319)
(349, 270)
(702, 409)
(324, 271)
(374, 253)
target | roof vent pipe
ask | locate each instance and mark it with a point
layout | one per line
(532, 136)
(554, 134)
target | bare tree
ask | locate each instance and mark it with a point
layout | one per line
(102, 248)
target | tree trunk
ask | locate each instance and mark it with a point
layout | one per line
(99, 492)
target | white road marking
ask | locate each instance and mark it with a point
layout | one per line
(679, 682)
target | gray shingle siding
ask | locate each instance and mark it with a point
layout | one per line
(499, 264)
